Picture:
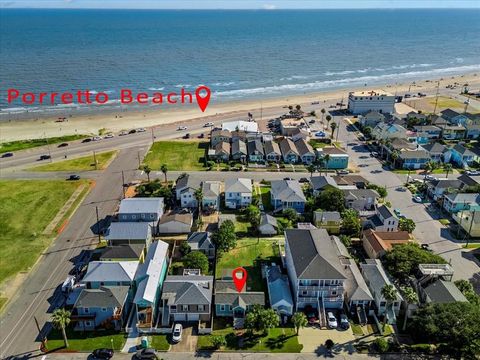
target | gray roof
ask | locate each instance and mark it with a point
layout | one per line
(287, 145)
(463, 150)
(319, 182)
(238, 185)
(469, 180)
(188, 290)
(255, 146)
(188, 181)
(375, 220)
(105, 296)
(128, 231)
(271, 147)
(200, 240)
(141, 205)
(314, 254)
(181, 218)
(278, 286)
(444, 292)
(449, 114)
(414, 154)
(469, 198)
(422, 128)
(211, 188)
(124, 251)
(266, 219)
(325, 216)
(375, 276)
(360, 193)
(226, 293)
(447, 183)
(357, 288)
(385, 212)
(239, 147)
(110, 271)
(287, 190)
(435, 148)
(303, 147)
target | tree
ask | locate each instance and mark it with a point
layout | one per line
(331, 199)
(196, 260)
(261, 319)
(252, 215)
(218, 341)
(410, 296)
(467, 290)
(60, 320)
(382, 345)
(333, 126)
(323, 111)
(389, 293)
(250, 322)
(298, 107)
(328, 118)
(447, 168)
(185, 248)
(299, 320)
(311, 168)
(406, 225)
(454, 324)
(164, 170)
(326, 159)
(199, 198)
(156, 189)
(147, 171)
(346, 240)
(395, 155)
(225, 238)
(367, 131)
(329, 344)
(290, 214)
(351, 224)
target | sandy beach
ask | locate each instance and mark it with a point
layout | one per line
(156, 117)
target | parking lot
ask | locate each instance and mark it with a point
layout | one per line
(313, 338)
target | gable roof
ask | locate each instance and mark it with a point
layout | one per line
(222, 147)
(356, 286)
(182, 218)
(449, 114)
(200, 240)
(314, 254)
(287, 190)
(325, 216)
(287, 145)
(383, 240)
(444, 292)
(238, 185)
(211, 188)
(303, 147)
(123, 251)
(446, 183)
(105, 296)
(226, 293)
(385, 212)
(360, 193)
(255, 146)
(141, 205)
(320, 182)
(376, 277)
(462, 150)
(188, 290)
(278, 286)
(266, 219)
(415, 154)
(239, 147)
(128, 231)
(110, 271)
(221, 133)
(349, 180)
(271, 147)
(435, 148)
(470, 198)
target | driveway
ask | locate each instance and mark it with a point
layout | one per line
(189, 339)
(313, 339)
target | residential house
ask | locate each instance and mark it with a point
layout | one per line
(360, 199)
(211, 194)
(238, 193)
(371, 119)
(289, 151)
(141, 209)
(125, 252)
(377, 243)
(413, 160)
(442, 292)
(473, 131)
(268, 225)
(255, 151)
(383, 220)
(414, 115)
(300, 133)
(201, 241)
(234, 304)
(469, 181)
(350, 180)
(462, 156)
(456, 202)
(289, 125)
(239, 150)
(149, 279)
(241, 125)
(389, 131)
(220, 152)
(306, 152)
(328, 220)
(129, 233)
(175, 223)
(110, 273)
(436, 188)
(426, 133)
(454, 117)
(185, 189)
(186, 298)
(218, 136)
(279, 294)
(320, 183)
(469, 221)
(376, 279)
(314, 268)
(239, 135)
(338, 158)
(286, 194)
(358, 295)
(453, 132)
(437, 152)
(439, 121)
(272, 151)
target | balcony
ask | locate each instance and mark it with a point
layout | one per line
(145, 317)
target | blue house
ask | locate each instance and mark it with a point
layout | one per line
(414, 159)
(279, 292)
(454, 117)
(462, 156)
(286, 194)
(456, 202)
(473, 131)
(338, 159)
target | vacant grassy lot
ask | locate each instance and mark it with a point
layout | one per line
(446, 102)
(27, 144)
(249, 254)
(159, 342)
(265, 193)
(177, 155)
(84, 163)
(86, 341)
(27, 207)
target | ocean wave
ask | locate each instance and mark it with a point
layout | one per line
(228, 83)
(362, 71)
(156, 89)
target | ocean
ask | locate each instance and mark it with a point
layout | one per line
(238, 54)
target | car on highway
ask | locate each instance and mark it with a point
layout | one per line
(208, 124)
(406, 96)
(177, 333)
(133, 131)
(201, 136)
(96, 138)
(123, 133)
(332, 320)
(186, 136)
(320, 134)
(472, 172)
(180, 128)
(431, 178)
(45, 157)
(62, 145)
(287, 178)
(401, 189)
(87, 140)
(74, 177)
(108, 136)
(315, 103)
(417, 199)
(344, 323)
(146, 354)
(141, 129)
(376, 171)
(102, 353)
(399, 214)
(343, 172)
(6, 155)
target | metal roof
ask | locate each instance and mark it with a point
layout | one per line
(141, 205)
(128, 231)
(110, 271)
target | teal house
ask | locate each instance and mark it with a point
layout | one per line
(337, 158)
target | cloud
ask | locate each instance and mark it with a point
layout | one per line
(269, 7)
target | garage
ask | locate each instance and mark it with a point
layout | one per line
(193, 317)
(179, 317)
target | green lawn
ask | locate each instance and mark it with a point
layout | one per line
(472, 246)
(265, 192)
(249, 255)
(177, 155)
(446, 102)
(27, 207)
(27, 144)
(86, 341)
(278, 340)
(84, 163)
(159, 342)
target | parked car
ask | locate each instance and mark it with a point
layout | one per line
(123, 133)
(431, 178)
(303, 180)
(8, 154)
(102, 353)
(310, 313)
(401, 189)
(406, 96)
(472, 172)
(45, 157)
(332, 320)
(180, 128)
(418, 199)
(186, 136)
(133, 131)
(96, 138)
(344, 323)
(320, 134)
(343, 172)
(87, 140)
(177, 333)
(62, 145)
(146, 354)
(201, 136)
(108, 136)
(374, 154)
(208, 124)
(141, 129)
(312, 121)
(287, 178)
(426, 247)
(399, 213)
(74, 177)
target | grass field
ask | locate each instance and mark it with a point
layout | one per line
(249, 254)
(265, 193)
(84, 163)
(27, 144)
(28, 206)
(86, 341)
(177, 155)
(445, 102)
(159, 342)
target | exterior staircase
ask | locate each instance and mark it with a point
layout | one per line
(322, 317)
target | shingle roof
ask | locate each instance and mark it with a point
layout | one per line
(384, 211)
(141, 205)
(415, 154)
(128, 231)
(124, 251)
(332, 150)
(110, 271)
(375, 276)
(255, 146)
(325, 216)
(287, 145)
(278, 286)
(361, 193)
(271, 147)
(226, 293)
(314, 254)
(222, 147)
(444, 292)
(267, 219)
(303, 147)
(210, 188)
(435, 148)
(446, 183)
(463, 150)
(383, 240)
(356, 285)
(349, 180)
(239, 147)
(449, 114)
(287, 190)
(182, 218)
(319, 182)
(188, 290)
(470, 198)
(188, 181)
(105, 296)
(200, 240)
(238, 185)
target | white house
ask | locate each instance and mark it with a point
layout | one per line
(362, 102)
(247, 126)
(185, 190)
(238, 193)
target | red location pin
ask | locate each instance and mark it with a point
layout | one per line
(239, 278)
(202, 101)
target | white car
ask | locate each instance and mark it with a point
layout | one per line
(141, 130)
(208, 124)
(418, 199)
(472, 172)
(97, 138)
(123, 133)
(108, 136)
(177, 333)
(182, 128)
(332, 320)
(431, 178)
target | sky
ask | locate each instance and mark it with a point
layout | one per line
(240, 4)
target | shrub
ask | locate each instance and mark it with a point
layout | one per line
(381, 345)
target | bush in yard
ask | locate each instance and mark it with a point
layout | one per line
(290, 214)
(406, 225)
(252, 214)
(346, 240)
(299, 320)
(225, 238)
(381, 345)
(185, 248)
(218, 341)
(331, 199)
(351, 224)
(196, 260)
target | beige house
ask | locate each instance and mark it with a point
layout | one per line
(469, 221)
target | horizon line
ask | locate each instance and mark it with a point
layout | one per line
(236, 9)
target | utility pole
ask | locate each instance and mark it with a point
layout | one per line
(98, 223)
(153, 136)
(138, 156)
(44, 338)
(123, 184)
(95, 159)
(436, 98)
(48, 147)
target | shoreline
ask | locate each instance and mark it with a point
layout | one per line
(115, 121)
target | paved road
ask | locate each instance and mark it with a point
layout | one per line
(428, 229)
(40, 294)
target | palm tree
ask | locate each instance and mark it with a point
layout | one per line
(199, 197)
(311, 168)
(298, 107)
(389, 293)
(60, 320)
(447, 168)
(328, 118)
(381, 142)
(323, 111)
(326, 159)
(164, 170)
(333, 126)
(147, 170)
(410, 296)
(299, 320)
(395, 155)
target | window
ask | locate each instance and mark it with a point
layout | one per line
(304, 292)
(185, 307)
(173, 307)
(334, 293)
(134, 216)
(222, 307)
(102, 283)
(200, 308)
(143, 216)
(88, 323)
(382, 303)
(86, 310)
(152, 216)
(104, 309)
